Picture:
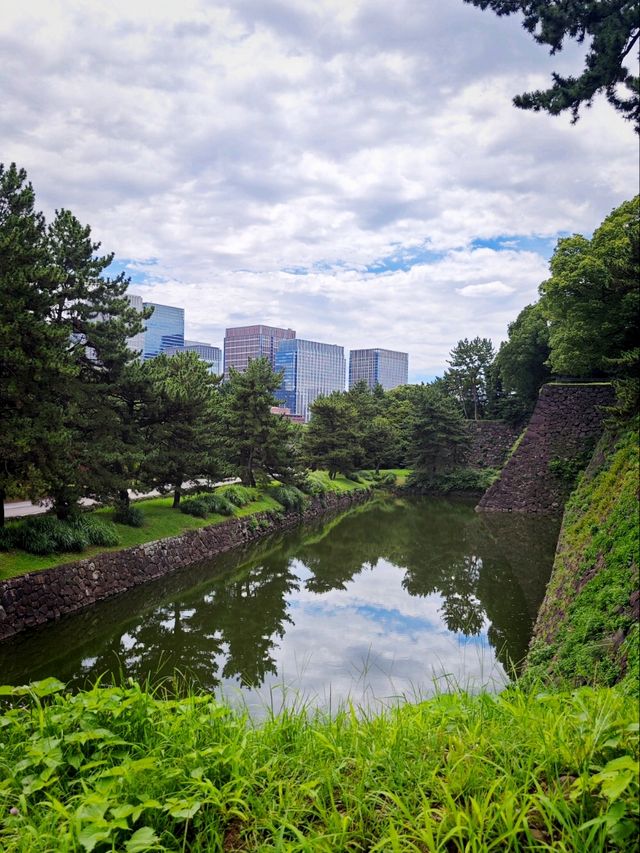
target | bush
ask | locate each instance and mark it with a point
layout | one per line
(130, 515)
(290, 497)
(201, 505)
(382, 481)
(194, 506)
(7, 538)
(98, 531)
(311, 486)
(238, 495)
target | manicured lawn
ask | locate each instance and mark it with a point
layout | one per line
(160, 521)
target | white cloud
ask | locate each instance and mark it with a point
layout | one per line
(231, 143)
(491, 288)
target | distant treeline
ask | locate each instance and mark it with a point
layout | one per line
(82, 416)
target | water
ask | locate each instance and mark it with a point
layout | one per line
(391, 600)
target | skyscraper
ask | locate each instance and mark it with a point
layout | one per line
(165, 328)
(384, 366)
(136, 343)
(311, 369)
(206, 352)
(243, 343)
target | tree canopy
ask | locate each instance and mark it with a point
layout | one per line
(611, 28)
(592, 298)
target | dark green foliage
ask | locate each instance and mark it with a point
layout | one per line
(129, 514)
(440, 440)
(592, 299)
(203, 504)
(610, 28)
(239, 495)
(258, 444)
(466, 380)
(332, 439)
(521, 362)
(459, 480)
(567, 469)
(291, 498)
(97, 531)
(194, 506)
(185, 439)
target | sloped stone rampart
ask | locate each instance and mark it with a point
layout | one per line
(565, 425)
(38, 597)
(491, 442)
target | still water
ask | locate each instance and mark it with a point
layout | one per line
(393, 599)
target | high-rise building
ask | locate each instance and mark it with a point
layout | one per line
(206, 352)
(244, 343)
(383, 366)
(136, 343)
(165, 328)
(311, 370)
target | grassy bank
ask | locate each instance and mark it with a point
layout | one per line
(161, 521)
(587, 630)
(116, 769)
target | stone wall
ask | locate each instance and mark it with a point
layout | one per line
(491, 442)
(565, 426)
(38, 597)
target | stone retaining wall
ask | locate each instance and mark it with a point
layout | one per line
(38, 597)
(491, 442)
(565, 425)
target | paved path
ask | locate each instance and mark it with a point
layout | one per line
(19, 509)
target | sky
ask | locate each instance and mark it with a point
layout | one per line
(352, 169)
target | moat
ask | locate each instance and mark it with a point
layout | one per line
(394, 599)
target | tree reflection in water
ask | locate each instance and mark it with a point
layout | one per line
(225, 621)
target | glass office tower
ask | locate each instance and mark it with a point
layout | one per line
(311, 370)
(384, 366)
(243, 343)
(206, 352)
(165, 328)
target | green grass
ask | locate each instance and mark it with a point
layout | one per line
(117, 769)
(340, 484)
(585, 628)
(160, 521)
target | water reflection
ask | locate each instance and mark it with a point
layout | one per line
(373, 603)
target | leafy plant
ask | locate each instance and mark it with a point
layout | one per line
(130, 515)
(290, 497)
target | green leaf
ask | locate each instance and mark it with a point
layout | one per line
(141, 840)
(47, 686)
(90, 836)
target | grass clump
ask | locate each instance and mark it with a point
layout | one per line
(239, 495)
(117, 769)
(202, 505)
(290, 497)
(130, 515)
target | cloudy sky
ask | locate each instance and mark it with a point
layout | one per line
(353, 169)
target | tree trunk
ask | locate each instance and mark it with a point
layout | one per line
(123, 498)
(2, 497)
(177, 494)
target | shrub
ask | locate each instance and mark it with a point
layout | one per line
(219, 504)
(311, 486)
(201, 505)
(130, 515)
(98, 531)
(290, 497)
(238, 495)
(195, 506)
(7, 538)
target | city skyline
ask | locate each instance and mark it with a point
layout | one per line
(356, 169)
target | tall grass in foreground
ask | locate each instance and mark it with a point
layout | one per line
(120, 769)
